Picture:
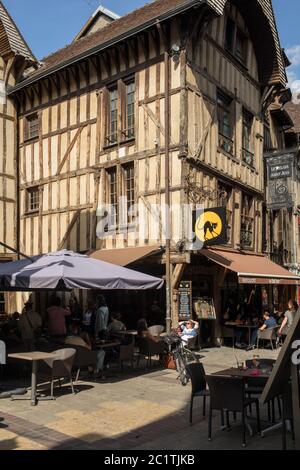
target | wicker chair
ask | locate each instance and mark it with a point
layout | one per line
(228, 393)
(149, 348)
(199, 387)
(269, 334)
(156, 330)
(61, 367)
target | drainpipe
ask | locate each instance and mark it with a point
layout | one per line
(167, 194)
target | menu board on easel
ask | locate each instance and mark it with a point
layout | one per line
(185, 300)
(205, 309)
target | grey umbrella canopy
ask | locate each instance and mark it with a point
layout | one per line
(66, 270)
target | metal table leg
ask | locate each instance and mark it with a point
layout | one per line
(33, 383)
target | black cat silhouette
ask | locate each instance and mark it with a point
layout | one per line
(210, 227)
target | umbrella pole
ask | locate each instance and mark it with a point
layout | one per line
(167, 194)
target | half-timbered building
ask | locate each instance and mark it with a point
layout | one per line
(166, 105)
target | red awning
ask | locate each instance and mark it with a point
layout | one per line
(252, 269)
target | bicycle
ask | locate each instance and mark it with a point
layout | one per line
(182, 357)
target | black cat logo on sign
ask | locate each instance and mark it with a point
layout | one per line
(210, 227)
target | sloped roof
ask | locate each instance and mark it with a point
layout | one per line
(11, 40)
(293, 110)
(268, 45)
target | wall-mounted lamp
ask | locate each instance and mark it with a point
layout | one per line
(175, 53)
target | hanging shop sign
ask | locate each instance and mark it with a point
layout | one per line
(280, 172)
(210, 227)
(185, 300)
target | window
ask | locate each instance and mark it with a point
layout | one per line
(130, 98)
(32, 126)
(33, 199)
(225, 122)
(225, 200)
(129, 191)
(121, 113)
(2, 303)
(236, 41)
(121, 196)
(247, 154)
(112, 128)
(113, 196)
(247, 221)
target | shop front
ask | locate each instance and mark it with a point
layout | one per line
(233, 283)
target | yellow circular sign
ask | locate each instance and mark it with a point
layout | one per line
(208, 226)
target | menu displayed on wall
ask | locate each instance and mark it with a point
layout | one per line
(185, 300)
(205, 309)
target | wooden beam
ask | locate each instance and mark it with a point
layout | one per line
(69, 149)
(177, 274)
(69, 230)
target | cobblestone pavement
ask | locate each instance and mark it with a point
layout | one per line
(131, 410)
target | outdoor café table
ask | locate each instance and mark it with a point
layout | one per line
(106, 345)
(245, 373)
(237, 325)
(33, 357)
(127, 332)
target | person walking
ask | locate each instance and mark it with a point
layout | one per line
(288, 318)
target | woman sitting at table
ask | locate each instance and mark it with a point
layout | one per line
(116, 325)
(83, 340)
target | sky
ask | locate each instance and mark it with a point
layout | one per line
(50, 25)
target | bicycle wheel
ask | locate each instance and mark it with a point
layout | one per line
(180, 367)
(189, 356)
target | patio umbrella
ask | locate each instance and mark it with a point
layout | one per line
(66, 270)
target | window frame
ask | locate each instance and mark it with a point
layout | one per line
(122, 217)
(126, 127)
(225, 107)
(123, 132)
(30, 134)
(247, 219)
(232, 48)
(129, 190)
(248, 156)
(29, 204)
(108, 131)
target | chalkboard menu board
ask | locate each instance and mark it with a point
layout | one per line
(185, 300)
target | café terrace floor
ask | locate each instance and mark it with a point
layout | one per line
(132, 410)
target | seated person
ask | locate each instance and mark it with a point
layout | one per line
(189, 330)
(269, 322)
(83, 340)
(116, 324)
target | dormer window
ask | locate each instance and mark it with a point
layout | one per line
(236, 41)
